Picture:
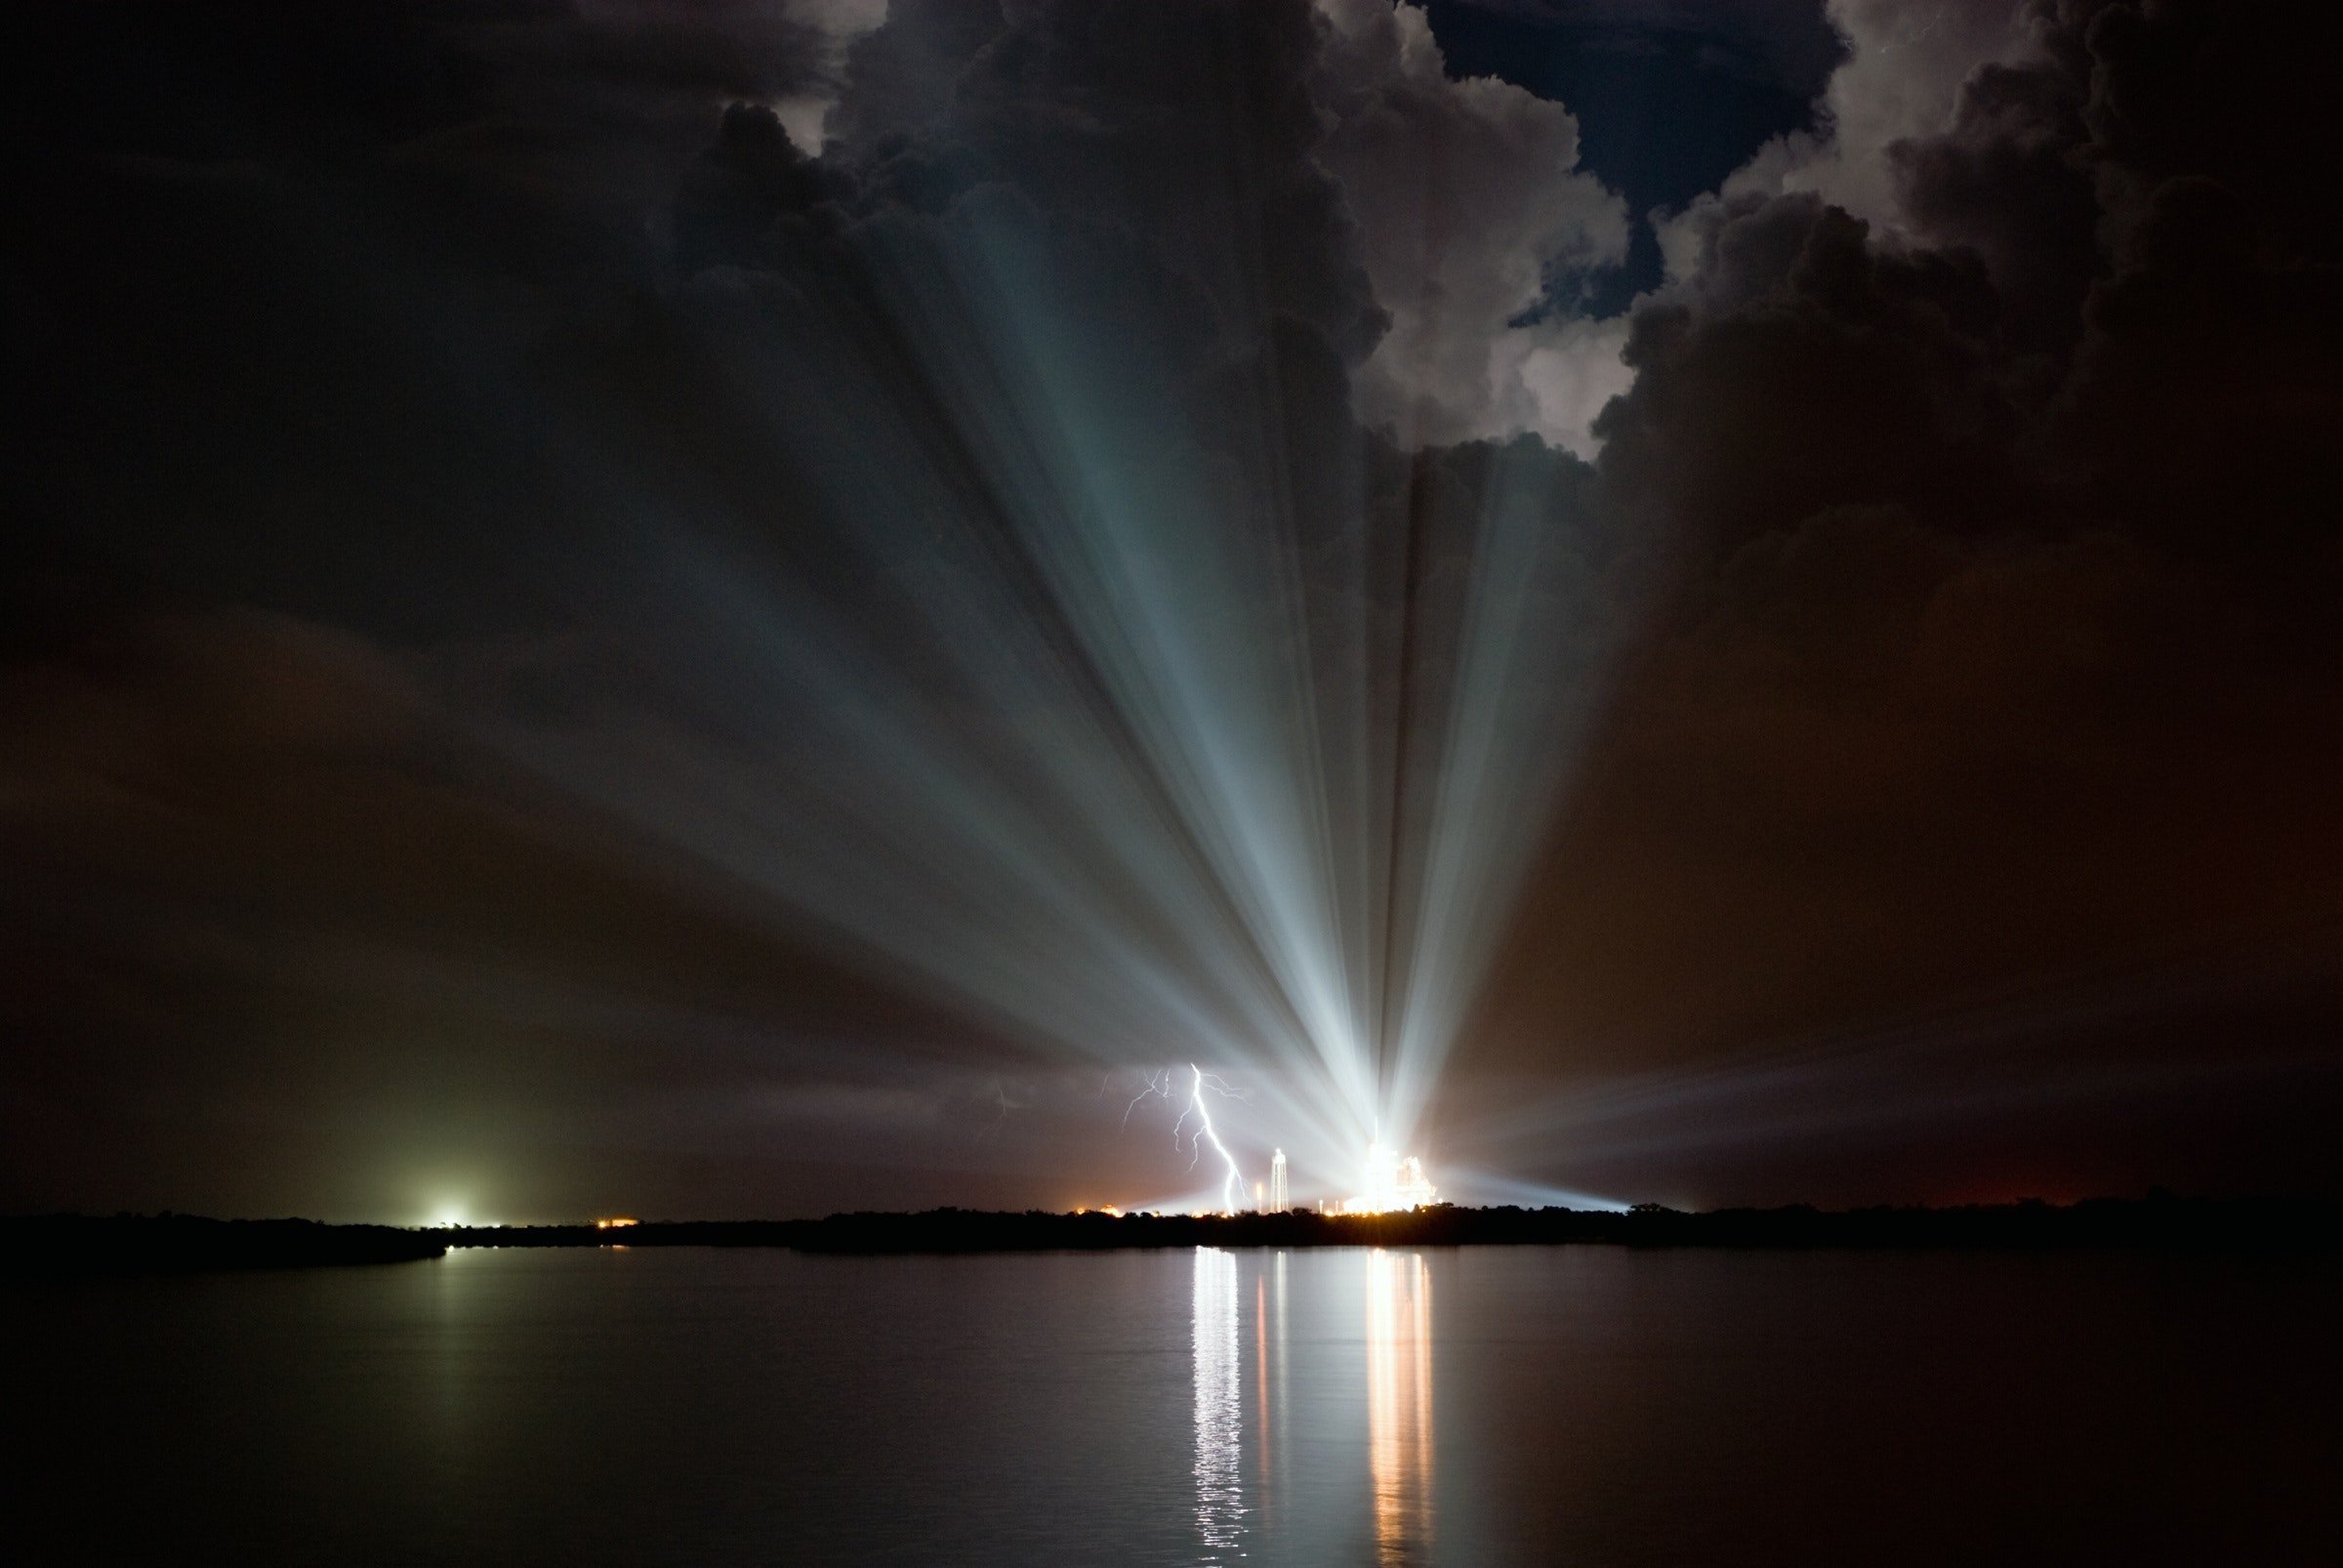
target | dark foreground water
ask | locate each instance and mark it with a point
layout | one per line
(1578, 1405)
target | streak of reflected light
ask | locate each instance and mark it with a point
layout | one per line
(1219, 1413)
(1285, 1407)
(1260, 1393)
(1399, 1403)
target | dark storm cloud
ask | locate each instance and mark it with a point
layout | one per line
(328, 249)
(2002, 639)
(540, 102)
(2126, 321)
(264, 893)
(1189, 126)
(382, 369)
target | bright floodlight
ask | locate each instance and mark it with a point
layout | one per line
(1394, 1183)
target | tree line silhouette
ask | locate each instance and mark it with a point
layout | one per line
(170, 1243)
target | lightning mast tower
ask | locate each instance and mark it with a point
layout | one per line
(1277, 1198)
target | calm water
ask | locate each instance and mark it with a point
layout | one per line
(1575, 1404)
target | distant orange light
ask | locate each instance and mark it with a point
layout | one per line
(619, 1223)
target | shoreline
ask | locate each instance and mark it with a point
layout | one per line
(74, 1246)
(2160, 1223)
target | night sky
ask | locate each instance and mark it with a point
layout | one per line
(711, 608)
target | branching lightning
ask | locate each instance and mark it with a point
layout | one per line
(1159, 1083)
(1232, 1185)
(1001, 1115)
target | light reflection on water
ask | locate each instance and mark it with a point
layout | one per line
(707, 1407)
(1397, 1377)
(1399, 1403)
(1219, 1414)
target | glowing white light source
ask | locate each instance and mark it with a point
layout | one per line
(1394, 1183)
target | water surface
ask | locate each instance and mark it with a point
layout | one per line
(1479, 1405)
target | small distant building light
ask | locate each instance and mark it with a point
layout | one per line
(616, 1223)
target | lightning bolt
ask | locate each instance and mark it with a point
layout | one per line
(1000, 1116)
(1157, 1083)
(1234, 1183)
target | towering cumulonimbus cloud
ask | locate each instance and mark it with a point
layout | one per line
(782, 599)
(1991, 484)
(1908, 68)
(1478, 231)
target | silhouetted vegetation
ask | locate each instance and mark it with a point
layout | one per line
(2158, 1222)
(56, 1245)
(61, 1245)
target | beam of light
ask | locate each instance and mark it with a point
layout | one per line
(1482, 1187)
(1065, 704)
(1533, 616)
(1968, 1059)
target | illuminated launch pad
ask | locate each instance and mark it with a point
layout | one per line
(1394, 1183)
